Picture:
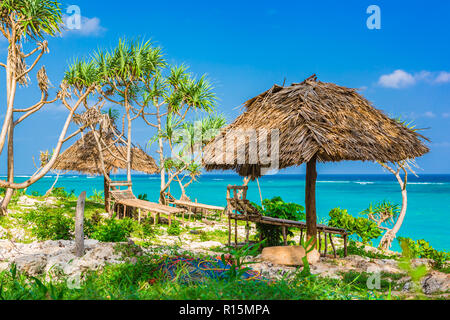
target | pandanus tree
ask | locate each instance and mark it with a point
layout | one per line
(172, 96)
(186, 142)
(136, 77)
(122, 72)
(25, 24)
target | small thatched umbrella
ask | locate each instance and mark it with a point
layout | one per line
(83, 156)
(316, 121)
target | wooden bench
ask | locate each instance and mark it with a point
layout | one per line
(191, 207)
(239, 208)
(127, 199)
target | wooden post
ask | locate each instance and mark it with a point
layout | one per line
(310, 200)
(320, 243)
(345, 245)
(229, 231)
(326, 244)
(247, 232)
(79, 223)
(283, 228)
(332, 244)
(107, 195)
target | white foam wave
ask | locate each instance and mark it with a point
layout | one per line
(324, 181)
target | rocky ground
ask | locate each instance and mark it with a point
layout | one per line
(57, 258)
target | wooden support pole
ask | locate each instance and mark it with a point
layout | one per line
(229, 230)
(332, 244)
(79, 224)
(310, 199)
(301, 237)
(326, 244)
(107, 195)
(283, 229)
(247, 232)
(345, 245)
(318, 239)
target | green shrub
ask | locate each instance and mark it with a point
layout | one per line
(113, 230)
(60, 192)
(50, 224)
(362, 227)
(277, 208)
(423, 249)
(174, 229)
(97, 196)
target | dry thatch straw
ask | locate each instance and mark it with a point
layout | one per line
(314, 118)
(83, 157)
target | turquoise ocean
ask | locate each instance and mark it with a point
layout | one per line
(428, 214)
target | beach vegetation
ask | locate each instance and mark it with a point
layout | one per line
(143, 279)
(186, 141)
(361, 227)
(422, 249)
(277, 208)
(114, 230)
(49, 224)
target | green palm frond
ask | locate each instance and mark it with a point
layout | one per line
(36, 18)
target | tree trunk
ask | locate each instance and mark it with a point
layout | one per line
(389, 235)
(53, 185)
(107, 194)
(129, 148)
(9, 192)
(161, 159)
(310, 200)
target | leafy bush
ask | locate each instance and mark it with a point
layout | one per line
(113, 230)
(97, 196)
(50, 224)
(36, 194)
(143, 196)
(62, 193)
(174, 229)
(362, 227)
(277, 208)
(423, 249)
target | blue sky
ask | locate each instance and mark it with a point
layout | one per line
(246, 47)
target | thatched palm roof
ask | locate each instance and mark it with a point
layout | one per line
(83, 156)
(314, 118)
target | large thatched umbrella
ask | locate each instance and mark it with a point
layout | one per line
(316, 121)
(83, 156)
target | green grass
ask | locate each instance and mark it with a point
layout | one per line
(143, 280)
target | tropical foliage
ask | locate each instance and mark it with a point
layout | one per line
(363, 228)
(277, 208)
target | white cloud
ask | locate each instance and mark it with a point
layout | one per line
(446, 115)
(414, 115)
(443, 77)
(402, 79)
(429, 114)
(89, 27)
(397, 79)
